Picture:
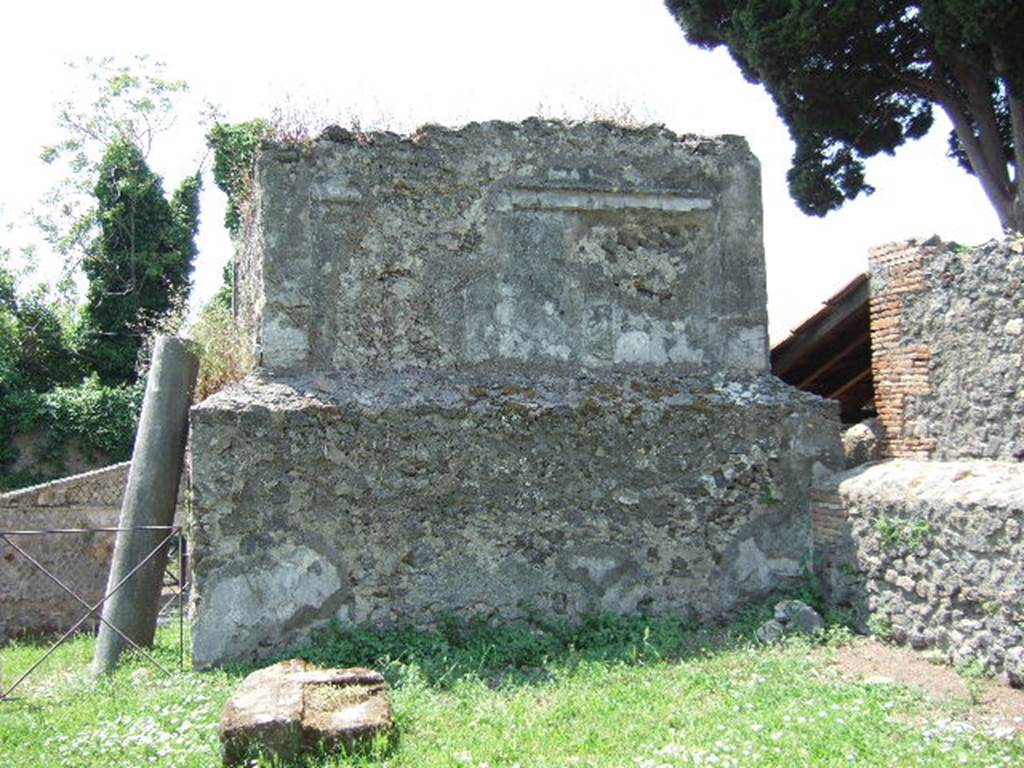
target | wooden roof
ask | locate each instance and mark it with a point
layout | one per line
(829, 354)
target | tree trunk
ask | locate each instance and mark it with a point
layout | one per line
(998, 195)
(976, 85)
(1016, 105)
(1017, 132)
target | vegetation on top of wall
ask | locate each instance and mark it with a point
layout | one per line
(223, 349)
(96, 418)
(894, 532)
(234, 152)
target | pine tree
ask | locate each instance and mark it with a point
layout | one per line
(852, 79)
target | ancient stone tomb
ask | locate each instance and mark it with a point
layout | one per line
(510, 368)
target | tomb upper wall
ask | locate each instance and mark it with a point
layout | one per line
(526, 244)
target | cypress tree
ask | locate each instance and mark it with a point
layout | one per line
(140, 265)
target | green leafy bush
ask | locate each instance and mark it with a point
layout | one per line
(36, 354)
(45, 355)
(19, 410)
(98, 419)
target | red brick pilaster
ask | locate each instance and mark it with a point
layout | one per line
(900, 370)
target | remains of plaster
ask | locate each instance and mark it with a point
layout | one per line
(512, 367)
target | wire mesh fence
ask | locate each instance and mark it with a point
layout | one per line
(56, 584)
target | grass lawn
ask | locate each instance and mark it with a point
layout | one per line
(643, 693)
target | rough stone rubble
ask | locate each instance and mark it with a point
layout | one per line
(509, 368)
(927, 548)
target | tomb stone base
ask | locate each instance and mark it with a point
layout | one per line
(409, 496)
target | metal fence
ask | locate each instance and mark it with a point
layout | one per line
(90, 614)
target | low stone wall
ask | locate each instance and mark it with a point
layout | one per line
(31, 603)
(931, 554)
(409, 496)
(947, 334)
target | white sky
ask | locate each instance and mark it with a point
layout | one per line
(406, 62)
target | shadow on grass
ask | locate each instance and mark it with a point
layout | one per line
(516, 652)
(505, 655)
(519, 652)
(502, 655)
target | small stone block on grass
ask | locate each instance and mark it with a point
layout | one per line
(294, 708)
(798, 617)
(791, 617)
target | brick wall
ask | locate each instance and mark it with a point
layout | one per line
(947, 335)
(829, 523)
(899, 368)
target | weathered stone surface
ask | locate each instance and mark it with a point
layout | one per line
(934, 556)
(862, 443)
(398, 497)
(791, 617)
(586, 244)
(1013, 666)
(294, 707)
(506, 368)
(797, 616)
(769, 632)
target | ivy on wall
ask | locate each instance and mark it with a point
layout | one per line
(234, 152)
(95, 418)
